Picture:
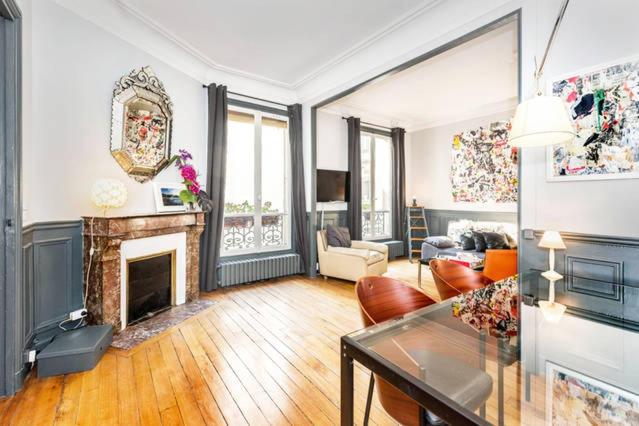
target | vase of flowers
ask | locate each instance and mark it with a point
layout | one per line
(192, 193)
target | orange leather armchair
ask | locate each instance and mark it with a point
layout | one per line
(500, 264)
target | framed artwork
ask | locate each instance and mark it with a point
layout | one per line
(167, 197)
(576, 399)
(141, 124)
(484, 167)
(603, 103)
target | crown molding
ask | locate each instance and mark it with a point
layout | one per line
(394, 25)
(155, 26)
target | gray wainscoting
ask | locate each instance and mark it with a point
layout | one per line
(52, 280)
(437, 220)
(609, 259)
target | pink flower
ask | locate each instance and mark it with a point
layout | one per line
(194, 188)
(188, 173)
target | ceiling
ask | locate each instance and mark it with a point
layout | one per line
(472, 80)
(285, 42)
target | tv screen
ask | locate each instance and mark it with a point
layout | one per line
(332, 185)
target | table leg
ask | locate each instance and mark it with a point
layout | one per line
(346, 401)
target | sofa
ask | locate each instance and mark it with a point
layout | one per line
(362, 258)
(464, 227)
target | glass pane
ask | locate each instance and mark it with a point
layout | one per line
(274, 182)
(365, 146)
(239, 207)
(383, 183)
(274, 167)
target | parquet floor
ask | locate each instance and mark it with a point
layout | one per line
(265, 353)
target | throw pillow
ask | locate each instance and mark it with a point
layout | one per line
(440, 242)
(496, 241)
(511, 241)
(337, 236)
(467, 242)
(480, 241)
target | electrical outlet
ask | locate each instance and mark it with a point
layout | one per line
(76, 315)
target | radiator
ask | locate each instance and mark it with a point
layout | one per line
(395, 249)
(232, 272)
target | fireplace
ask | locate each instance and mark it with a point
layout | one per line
(150, 285)
(151, 259)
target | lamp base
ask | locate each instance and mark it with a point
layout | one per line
(552, 311)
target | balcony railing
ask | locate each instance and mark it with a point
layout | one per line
(376, 225)
(239, 231)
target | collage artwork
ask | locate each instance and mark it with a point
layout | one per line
(484, 167)
(604, 107)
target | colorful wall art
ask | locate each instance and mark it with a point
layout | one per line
(604, 106)
(484, 166)
(573, 398)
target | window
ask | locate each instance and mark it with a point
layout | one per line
(377, 180)
(257, 191)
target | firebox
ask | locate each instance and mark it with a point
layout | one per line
(150, 285)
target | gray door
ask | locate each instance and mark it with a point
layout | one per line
(10, 210)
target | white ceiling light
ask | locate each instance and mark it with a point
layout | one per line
(542, 120)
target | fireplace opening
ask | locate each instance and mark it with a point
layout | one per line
(150, 285)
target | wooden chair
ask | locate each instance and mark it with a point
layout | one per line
(380, 299)
(453, 279)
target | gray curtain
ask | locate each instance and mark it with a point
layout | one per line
(215, 181)
(354, 213)
(298, 192)
(399, 184)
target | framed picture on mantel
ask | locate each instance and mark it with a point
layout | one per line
(167, 197)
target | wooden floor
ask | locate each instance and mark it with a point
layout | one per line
(265, 353)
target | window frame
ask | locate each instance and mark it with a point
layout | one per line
(259, 113)
(374, 134)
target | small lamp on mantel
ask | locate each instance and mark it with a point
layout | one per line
(551, 310)
(108, 194)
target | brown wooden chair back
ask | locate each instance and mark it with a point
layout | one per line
(380, 299)
(453, 279)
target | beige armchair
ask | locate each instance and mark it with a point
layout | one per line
(363, 258)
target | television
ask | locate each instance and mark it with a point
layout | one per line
(332, 185)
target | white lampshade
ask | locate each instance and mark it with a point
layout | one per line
(552, 240)
(108, 194)
(552, 311)
(542, 120)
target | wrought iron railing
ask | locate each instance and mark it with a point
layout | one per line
(377, 224)
(239, 231)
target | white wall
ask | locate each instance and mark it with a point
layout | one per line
(332, 149)
(430, 162)
(71, 64)
(74, 67)
(594, 207)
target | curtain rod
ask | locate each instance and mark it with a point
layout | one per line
(371, 124)
(251, 97)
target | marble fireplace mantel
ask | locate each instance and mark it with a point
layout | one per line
(109, 233)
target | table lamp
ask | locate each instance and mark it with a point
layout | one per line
(551, 310)
(108, 194)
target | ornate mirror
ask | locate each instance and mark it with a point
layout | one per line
(141, 122)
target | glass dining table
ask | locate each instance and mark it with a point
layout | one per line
(490, 356)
